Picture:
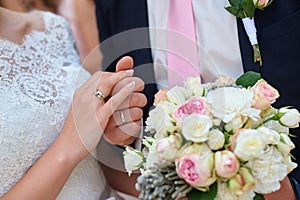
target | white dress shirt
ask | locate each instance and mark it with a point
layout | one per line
(217, 38)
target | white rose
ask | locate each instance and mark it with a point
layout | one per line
(177, 95)
(195, 127)
(271, 136)
(216, 139)
(249, 144)
(290, 117)
(229, 102)
(159, 121)
(285, 145)
(133, 159)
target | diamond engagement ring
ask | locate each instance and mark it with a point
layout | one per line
(122, 117)
(99, 94)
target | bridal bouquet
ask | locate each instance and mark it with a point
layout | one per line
(220, 140)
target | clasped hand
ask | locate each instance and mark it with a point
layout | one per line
(116, 116)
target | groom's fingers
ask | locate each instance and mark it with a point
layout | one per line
(139, 84)
(124, 134)
(135, 99)
(124, 64)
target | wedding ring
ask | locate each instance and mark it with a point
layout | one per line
(122, 117)
(99, 94)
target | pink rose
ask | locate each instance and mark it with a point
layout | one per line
(226, 164)
(195, 166)
(161, 95)
(264, 94)
(195, 105)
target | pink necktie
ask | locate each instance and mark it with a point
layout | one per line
(182, 55)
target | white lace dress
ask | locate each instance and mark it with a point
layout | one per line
(37, 81)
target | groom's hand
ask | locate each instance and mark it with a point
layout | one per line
(125, 124)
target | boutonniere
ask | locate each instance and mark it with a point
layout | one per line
(245, 10)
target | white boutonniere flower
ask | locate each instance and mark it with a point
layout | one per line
(245, 10)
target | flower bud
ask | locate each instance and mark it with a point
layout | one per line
(290, 117)
(285, 145)
(167, 148)
(216, 139)
(226, 164)
(133, 159)
(261, 3)
(242, 182)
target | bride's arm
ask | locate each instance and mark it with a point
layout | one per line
(84, 126)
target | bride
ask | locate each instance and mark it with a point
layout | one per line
(45, 136)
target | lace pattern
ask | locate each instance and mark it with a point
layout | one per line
(36, 87)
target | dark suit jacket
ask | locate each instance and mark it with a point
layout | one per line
(278, 29)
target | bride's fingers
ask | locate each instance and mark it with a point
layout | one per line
(105, 81)
(114, 102)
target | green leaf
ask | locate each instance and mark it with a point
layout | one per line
(249, 7)
(248, 79)
(235, 11)
(259, 197)
(235, 3)
(209, 195)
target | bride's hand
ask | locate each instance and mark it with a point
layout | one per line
(90, 114)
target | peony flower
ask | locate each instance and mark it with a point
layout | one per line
(133, 159)
(268, 171)
(167, 148)
(289, 117)
(261, 3)
(216, 139)
(196, 105)
(196, 127)
(230, 102)
(285, 145)
(159, 121)
(264, 94)
(161, 95)
(195, 165)
(249, 144)
(226, 164)
(288, 162)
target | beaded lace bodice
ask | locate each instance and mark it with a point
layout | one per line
(37, 81)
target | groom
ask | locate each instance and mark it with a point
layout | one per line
(223, 45)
